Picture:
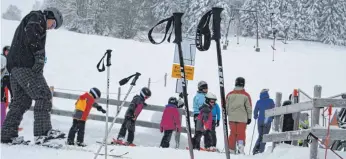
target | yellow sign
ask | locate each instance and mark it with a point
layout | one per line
(189, 71)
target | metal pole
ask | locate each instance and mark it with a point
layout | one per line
(257, 34)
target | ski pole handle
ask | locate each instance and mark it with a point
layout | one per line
(133, 83)
(177, 27)
(217, 22)
(109, 54)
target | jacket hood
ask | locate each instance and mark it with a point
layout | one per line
(264, 94)
(171, 105)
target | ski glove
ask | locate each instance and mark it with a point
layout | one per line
(38, 65)
(217, 123)
(181, 95)
(248, 121)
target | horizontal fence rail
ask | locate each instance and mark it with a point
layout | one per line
(145, 124)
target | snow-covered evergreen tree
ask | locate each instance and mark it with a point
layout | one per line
(331, 22)
(12, 13)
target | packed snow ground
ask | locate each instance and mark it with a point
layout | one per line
(72, 60)
(94, 132)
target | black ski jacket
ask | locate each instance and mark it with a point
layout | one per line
(28, 42)
(288, 122)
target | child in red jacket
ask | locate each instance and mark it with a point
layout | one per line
(83, 106)
(170, 121)
(204, 123)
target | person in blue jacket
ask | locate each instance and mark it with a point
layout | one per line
(199, 99)
(264, 124)
(216, 123)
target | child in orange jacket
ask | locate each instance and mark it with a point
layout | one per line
(83, 106)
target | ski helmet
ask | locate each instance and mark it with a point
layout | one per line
(343, 96)
(145, 92)
(6, 48)
(53, 13)
(95, 92)
(202, 85)
(209, 97)
(240, 82)
(173, 100)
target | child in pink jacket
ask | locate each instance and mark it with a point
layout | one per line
(170, 121)
(204, 123)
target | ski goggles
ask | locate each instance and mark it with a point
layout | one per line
(212, 101)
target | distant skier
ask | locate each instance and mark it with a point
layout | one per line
(199, 99)
(263, 123)
(288, 122)
(303, 124)
(204, 123)
(82, 109)
(131, 115)
(216, 123)
(170, 121)
(239, 111)
(25, 63)
(5, 82)
(5, 76)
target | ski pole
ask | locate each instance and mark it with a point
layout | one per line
(253, 132)
(203, 45)
(108, 64)
(178, 40)
(175, 21)
(217, 35)
(121, 82)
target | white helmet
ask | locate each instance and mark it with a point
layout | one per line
(210, 96)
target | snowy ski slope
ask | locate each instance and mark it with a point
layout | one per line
(72, 60)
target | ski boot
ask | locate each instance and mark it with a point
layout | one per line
(16, 141)
(69, 142)
(129, 144)
(81, 144)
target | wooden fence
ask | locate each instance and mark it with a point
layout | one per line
(315, 105)
(119, 120)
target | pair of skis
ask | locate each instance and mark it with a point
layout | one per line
(203, 29)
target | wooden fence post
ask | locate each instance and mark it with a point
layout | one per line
(177, 134)
(296, 116)
(119, 96)
(278, 99)
(149, 83)
(51, 91)
(165, 79)
(315, 119)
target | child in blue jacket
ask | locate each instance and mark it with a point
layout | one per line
(216, 123)
(199, 99)
(264, 124)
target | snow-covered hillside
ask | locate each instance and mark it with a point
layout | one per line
(72, 60)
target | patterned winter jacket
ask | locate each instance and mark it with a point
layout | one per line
(238, 105)
(205, 118)
(83, 106)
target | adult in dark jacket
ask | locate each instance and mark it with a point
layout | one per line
(131, 115)
(264, 124)
(25, 63)
(288, 122)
